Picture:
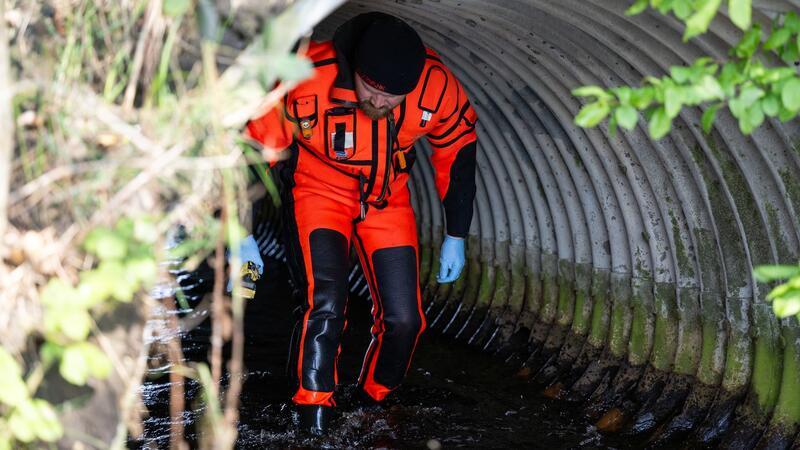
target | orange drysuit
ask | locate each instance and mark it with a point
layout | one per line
(345, 183)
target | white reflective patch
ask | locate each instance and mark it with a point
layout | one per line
(426, 115)
(348, 139)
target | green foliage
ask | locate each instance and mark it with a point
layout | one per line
(785, 297)
(126, 264)
(751, 90)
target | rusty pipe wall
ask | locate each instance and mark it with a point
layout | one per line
(614, 270)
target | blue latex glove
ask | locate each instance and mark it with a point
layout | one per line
(248, 251)
(451, 259)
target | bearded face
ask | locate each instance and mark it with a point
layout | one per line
(372, 111)
(376, 104)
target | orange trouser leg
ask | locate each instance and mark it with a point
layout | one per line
(386, 242)
(320, 227)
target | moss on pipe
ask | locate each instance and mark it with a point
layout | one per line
(712, 356)
(583, 299)
(620, 314)
(665, 334)
(767, 358)
(641, 340)
(739, 351)
(601, 308)
(566, 293)
(689, 348)
(786, 416)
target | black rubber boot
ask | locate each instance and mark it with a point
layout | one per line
(314, 419)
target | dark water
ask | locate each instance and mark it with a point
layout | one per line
(452, 397)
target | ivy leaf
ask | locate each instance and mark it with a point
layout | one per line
(768, 273)
(790, 94)
(708, 89)
(660, 124)
(626, 116)
(47, 426)
(708, 117)
(699, 21)
(592, 114)
(637, 7)
(741, 13)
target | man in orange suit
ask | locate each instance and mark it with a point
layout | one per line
(350, 130)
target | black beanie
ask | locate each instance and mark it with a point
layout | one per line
(390, 55)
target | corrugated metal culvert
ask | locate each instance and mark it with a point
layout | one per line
(615, 271)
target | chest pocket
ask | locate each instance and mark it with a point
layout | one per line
(341, 136)
(305, 112)
(433, 89)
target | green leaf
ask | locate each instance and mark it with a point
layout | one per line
(709, 115)
(785, 307)
(626, 116)
(587, 91)
(106, 244)
(660, 124)
(792, 22)
(145, 231)
(22, 421)
(623, 93)
(790, 94)
(144, 270)
(175, 8)
(698, 22)
(741, 12)
(642, 97)
(682, 9)
(47, 426)
(612, 127)
(777, 39)
(750, 94)
(769, 273)
(13, 390)
(785, 115)
(791, 52)
(749, 42)
(637, 7)
(75, 324)
(674, 97)
(752, 118)
(680, 74)
(708, 89)
(50, 352)
(771, 105)
(84, 360)
(592, 114)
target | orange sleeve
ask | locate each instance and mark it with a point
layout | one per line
(271, 130)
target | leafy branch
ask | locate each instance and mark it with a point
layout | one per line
(751, 90)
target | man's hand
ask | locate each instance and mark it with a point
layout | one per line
(451, 259)
(252, 267)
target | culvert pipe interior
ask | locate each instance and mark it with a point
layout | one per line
(613, 270)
